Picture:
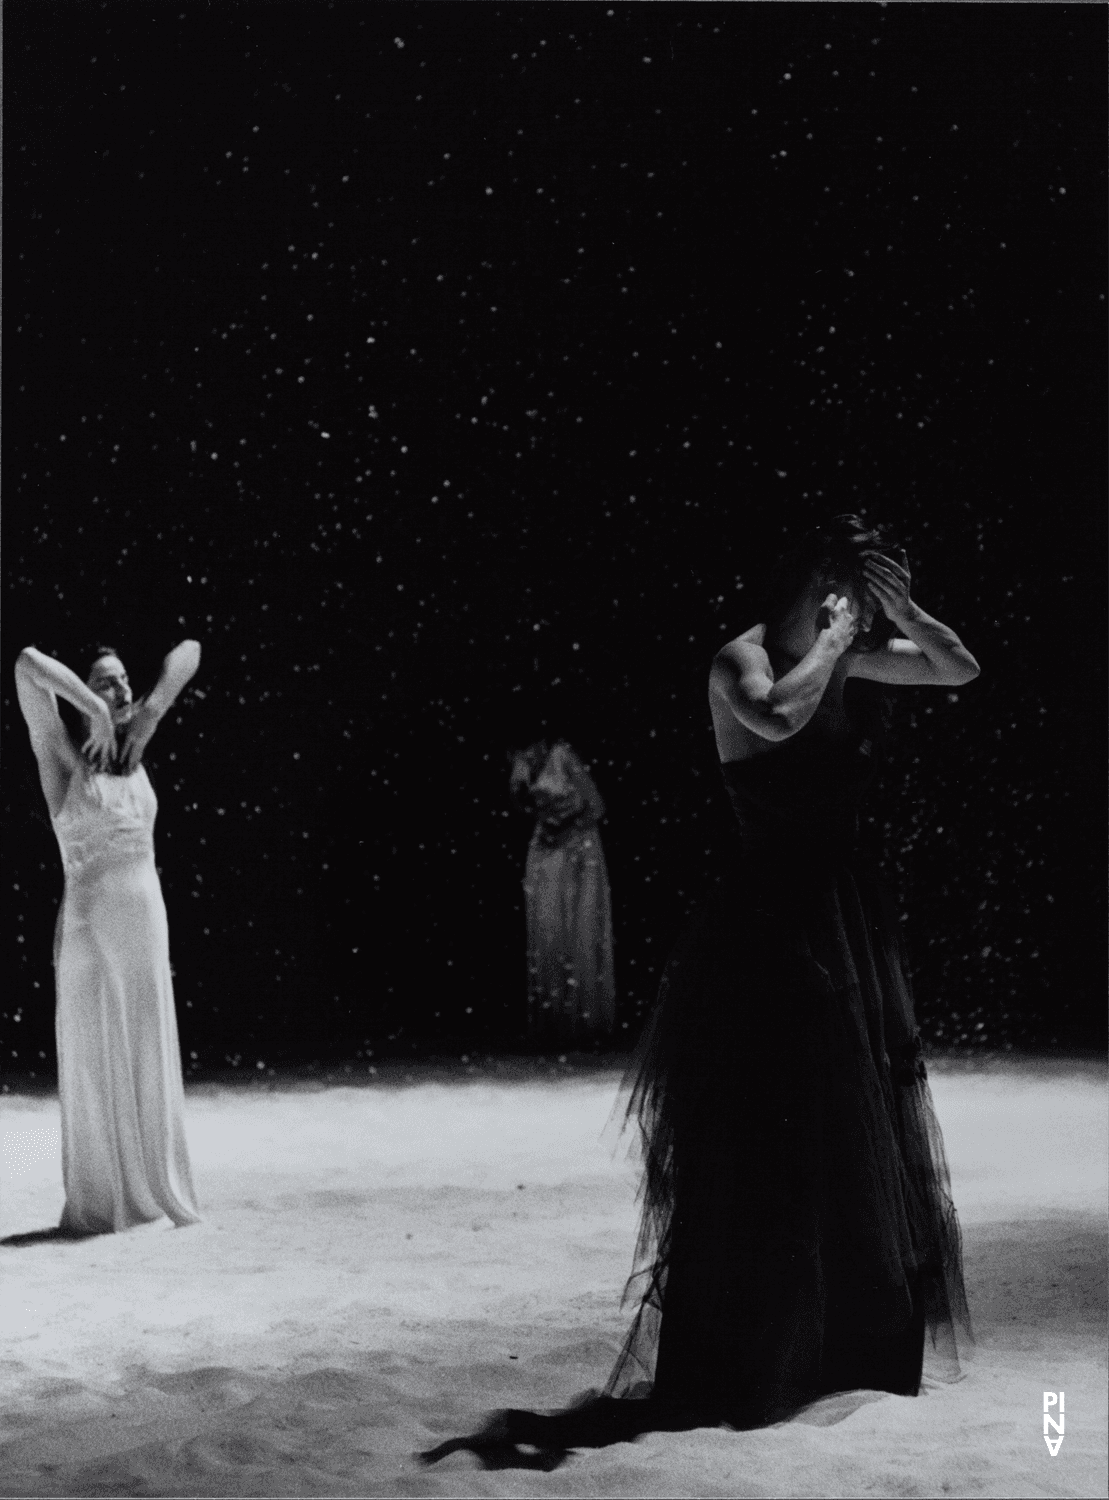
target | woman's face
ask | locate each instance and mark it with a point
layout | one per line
(108, 680)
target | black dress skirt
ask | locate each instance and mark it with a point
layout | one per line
(798, 1235)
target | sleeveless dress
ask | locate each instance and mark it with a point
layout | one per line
(124, 1156)
(571, 989)
(798, 1235)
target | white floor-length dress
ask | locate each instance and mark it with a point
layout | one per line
(571, 988)
(124, 1156)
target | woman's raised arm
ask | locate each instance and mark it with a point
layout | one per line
(929, 654)
(178, 669)
(741, 677)
(40, 681)
(586, 787)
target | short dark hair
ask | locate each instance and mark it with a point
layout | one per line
(96, 653)
(526, 766)
(837, 548)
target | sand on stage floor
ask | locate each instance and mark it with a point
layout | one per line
(384, 1259)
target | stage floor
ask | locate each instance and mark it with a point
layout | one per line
(384, 1261)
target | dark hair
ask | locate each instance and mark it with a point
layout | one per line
(526, 766)
(835, 548)
(95, 653)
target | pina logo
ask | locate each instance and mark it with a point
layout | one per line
(1053, 1398)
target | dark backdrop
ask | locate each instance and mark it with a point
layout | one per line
(452, 371)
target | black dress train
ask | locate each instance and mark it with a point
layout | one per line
(798, 1235)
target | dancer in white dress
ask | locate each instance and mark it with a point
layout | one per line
(124, 1156)
(571, 989)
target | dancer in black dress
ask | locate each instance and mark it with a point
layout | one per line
(798, 1235)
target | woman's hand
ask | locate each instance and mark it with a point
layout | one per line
(100, 746)
(140, 728)
(889, 582)
(836, 624)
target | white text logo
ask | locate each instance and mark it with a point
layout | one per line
(1053, 1398)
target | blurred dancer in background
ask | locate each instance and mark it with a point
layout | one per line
(571, 992)
(124, 1157)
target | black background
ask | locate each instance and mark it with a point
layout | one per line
(452, 372)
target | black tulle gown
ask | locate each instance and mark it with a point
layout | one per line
(798, 1235)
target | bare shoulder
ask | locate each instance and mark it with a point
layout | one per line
(743, 654)
(741, 670)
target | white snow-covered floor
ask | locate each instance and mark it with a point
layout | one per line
(382, 1263)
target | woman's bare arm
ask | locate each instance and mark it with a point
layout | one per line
(39, 682)
(178, 669)
(775, 709)
(930, 655)
(587, 789)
